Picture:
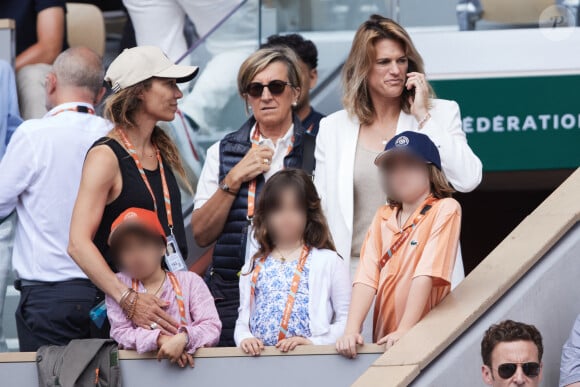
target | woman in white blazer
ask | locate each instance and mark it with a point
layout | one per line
(385, 93)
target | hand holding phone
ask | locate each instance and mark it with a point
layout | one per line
(419, 94)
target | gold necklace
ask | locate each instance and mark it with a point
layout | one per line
(160, 286)
(283, 258)
(144, 154)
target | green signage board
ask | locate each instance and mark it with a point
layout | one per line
(519, 123)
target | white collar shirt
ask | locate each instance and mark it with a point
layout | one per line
(40, 176)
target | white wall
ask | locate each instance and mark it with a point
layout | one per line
(547, 297)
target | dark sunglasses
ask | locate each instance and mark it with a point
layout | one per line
(507, 370)
(256, 89)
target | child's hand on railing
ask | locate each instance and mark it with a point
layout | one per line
(290, 343)
(172, 348)
(392, 338)
(186, 359)
(346, 345)
(252, 346)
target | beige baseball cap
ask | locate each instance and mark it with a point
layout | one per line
(138, 64)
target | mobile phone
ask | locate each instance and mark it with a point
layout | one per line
(410, 92)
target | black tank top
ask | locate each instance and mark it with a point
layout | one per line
(134, 193)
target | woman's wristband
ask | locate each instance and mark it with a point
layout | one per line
(227, 189)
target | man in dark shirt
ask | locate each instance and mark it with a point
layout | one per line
(308, 55)
(40, 37)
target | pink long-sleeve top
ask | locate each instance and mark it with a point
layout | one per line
(203, 323)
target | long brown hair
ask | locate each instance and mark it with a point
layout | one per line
(316, 233)
(356, 99)
(120, 109)
(440, 187)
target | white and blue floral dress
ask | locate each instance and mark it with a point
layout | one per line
(271, 295)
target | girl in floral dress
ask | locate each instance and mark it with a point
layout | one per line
(296, 289)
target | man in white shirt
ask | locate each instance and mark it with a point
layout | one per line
(9, 121)
(40, 175)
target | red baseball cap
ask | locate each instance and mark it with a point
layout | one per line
(136, 219)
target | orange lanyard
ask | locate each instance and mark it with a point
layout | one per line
(253, 184)
(293, 289)
(406, 232)
(178, 295)
(79, 109)
(166, 197)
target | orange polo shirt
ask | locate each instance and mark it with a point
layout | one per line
(430, 250)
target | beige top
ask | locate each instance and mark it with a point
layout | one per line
(368, 195)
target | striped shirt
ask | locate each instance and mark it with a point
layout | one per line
(430, 250)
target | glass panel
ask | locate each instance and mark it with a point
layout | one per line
(330, 24)
(212, 103)
(321, 15)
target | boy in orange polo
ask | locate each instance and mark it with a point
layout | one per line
(409, 252)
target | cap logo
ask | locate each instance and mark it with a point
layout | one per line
(402, 141)
(130, 215)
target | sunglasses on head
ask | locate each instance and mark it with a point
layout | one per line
(256, 89)
(507, 370)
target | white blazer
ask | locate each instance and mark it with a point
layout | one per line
(335, 153)
(329, 289)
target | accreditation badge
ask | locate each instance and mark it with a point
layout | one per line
(173, 258)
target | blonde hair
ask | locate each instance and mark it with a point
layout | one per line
(440, 187)
(121, 108)
(261, 59)
(356, 99)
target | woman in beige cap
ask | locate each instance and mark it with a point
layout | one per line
(132, 167)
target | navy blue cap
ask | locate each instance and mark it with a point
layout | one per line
(415, 143)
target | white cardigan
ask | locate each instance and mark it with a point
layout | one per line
(335, 153)
(329, 289)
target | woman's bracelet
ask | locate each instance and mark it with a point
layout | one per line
(133, 307)
(124, 295)
(424, 120)
(129, 303)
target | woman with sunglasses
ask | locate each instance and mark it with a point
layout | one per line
(237, 167)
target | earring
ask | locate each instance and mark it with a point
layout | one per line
(295, 103)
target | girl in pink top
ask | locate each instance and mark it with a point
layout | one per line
(138, 244)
